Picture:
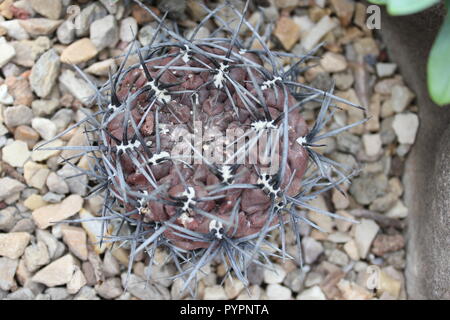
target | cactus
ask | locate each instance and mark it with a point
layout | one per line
(194, 206)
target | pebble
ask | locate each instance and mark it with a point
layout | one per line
(36, 256)
(323, 221)
(57, 293)
(352, 250)
(372, 144)
(34, 202)
(333, 62)
(401, 98)
(86, 293)
(274, 276)
(312, 249)
(8, 269)
(388, 284)
(27, 51)
(7, 219)
(344, 10)
(387, 243)
(35, 174)
(405, 126)
(41, 155)
(278, 292)
(75, 239)
(77, 185)
(17, 116)
(50, 241)
(66, 32)
(87, 16)
(20, 89)
(398, 211)
(57, 273)
(104, 33)
(46, 128)
(128, 29)
(7, 52)
(139, 288)
(14, 29)
(313, 293)
(111, 267)
(110, 289)
(216, 292)
(27, 135)
(233, 287)
(94, 231)
(44, 73)
(287, 32)
(44, 107)
(254, 294)
(146, 34)
(338, 257)
(365, 233)
(79, 51)
(352, 291)
(21, 294)
(79, 88)
(365, 189)
(102, 68)
(56, 184)
(40, 26)
(325, 25)
(16, 153)
(5, 97)
(386, 69)
(46, 216)
(9, 187)
(13, 244)
(48, 8)
(77, 282)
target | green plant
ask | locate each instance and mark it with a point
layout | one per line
(439, 59)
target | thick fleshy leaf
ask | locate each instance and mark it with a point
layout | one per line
(382, 2)
(404, 7)
(439, 65)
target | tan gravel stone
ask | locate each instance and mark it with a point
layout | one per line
(34, 202)
(16, 153)
(12, 245)
(79, 51)
(288, 32)
(75, 238)
(46, 216)
(57, 273)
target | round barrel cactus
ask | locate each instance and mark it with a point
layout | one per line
(201, 148)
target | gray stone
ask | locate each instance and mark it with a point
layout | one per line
(104, 33)
(57, 293)
(17, 116)
(44, 107)
(367, 188)
(146, 34)
(36, 256)
(7, 52)
(77, 185)
(128, 29)
(7, 219)
(79, 88)
(66, 32)
(44, 73)
(312, 249)
(14, 29)
(8, 269)
(110, 289)
(57, 184)
(9, 187)
(139, 288)
(52, 197)
(347, 142)
(21, 294)
(62, 118)
(87, 16)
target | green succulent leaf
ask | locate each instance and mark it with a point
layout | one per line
(405, 7)
(439, 65)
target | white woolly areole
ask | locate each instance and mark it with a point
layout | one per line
(226, 173)
(190, 194)
(131, 146)
(262, 125)
(158, 156)
(270, 83)
(220, 76)
(267, 186)
(301, 141)
(215, 225)
(185, 54)
(161, 95)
